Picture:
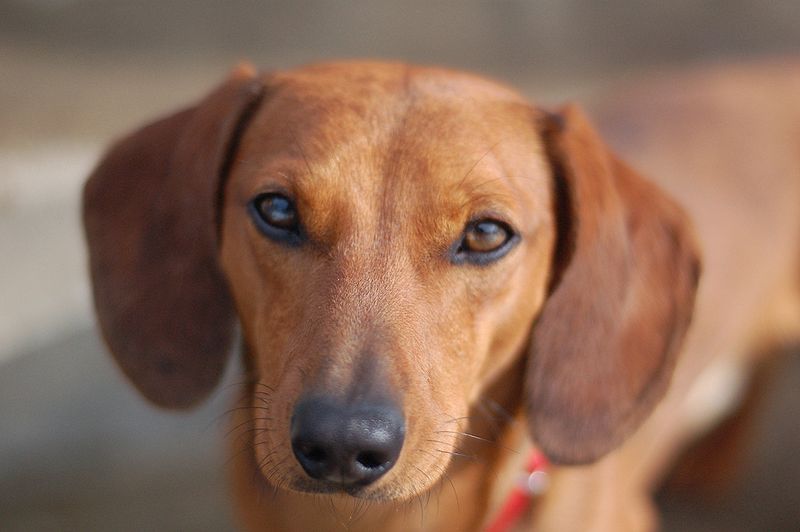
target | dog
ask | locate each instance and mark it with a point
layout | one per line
(433, 278)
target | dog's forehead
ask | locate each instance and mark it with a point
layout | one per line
(374, 116)
(433, 140)
(329, 103)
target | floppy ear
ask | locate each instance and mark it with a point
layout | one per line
(605, 344)
(149, 212)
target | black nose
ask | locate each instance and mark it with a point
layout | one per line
(351, 445)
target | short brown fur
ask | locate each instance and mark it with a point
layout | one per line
(569, 341)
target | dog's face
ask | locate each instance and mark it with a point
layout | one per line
(377, 264)
(390, 239)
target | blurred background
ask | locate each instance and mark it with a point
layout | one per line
(78, 449)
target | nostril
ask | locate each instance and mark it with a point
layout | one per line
(316, 459)
(314, 453)
(372, 459)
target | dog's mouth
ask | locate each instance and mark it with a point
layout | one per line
(343, 487)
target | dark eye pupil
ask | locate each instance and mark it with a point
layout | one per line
(488, 229)
(277, 211)
(485, 236)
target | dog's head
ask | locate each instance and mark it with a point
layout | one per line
(390, 239)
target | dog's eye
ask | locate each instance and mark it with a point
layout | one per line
(484, 241)
(277, 211)
(276, 216)
(485, 236)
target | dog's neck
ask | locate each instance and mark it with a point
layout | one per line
(477, 480)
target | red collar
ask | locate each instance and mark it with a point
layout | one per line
(533, 483)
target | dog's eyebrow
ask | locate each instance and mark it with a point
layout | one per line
(302, 151)
(477, 162)
(493, 199)
(475, 188)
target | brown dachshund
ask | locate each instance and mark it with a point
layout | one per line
(432, 276)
